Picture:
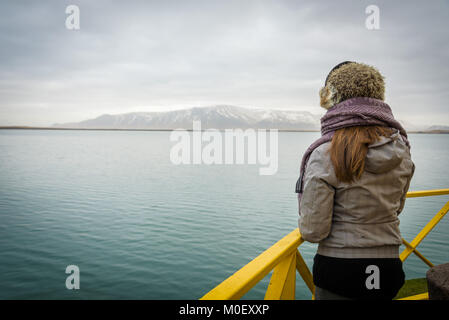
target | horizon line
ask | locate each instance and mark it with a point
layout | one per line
(181, 129)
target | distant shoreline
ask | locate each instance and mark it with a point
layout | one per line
(113, 129)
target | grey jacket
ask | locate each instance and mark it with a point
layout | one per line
(358, 219)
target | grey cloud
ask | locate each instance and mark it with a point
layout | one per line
(143, 55)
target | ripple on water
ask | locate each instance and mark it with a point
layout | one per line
(141, 228)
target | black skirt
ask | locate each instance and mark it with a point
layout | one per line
(365, 278)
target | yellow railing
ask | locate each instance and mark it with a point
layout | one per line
(284, 259)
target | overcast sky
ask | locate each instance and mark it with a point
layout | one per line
(164, 55)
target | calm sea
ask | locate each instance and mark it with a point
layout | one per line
(139, 227)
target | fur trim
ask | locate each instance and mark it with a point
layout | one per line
(352, 80)
(328, 96)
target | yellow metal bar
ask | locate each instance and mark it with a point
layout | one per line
(419, 254)
(424, 232)
(427, 193)
(244, 279)
(422, 296)
(304, 271)
(283, 281)
(285, 254)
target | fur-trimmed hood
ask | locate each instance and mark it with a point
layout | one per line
(351, 80)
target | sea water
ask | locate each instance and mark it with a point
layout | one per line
(139, 227)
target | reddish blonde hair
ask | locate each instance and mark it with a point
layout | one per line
(349, 148)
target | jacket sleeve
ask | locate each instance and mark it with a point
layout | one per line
(407, 186)
(317, 201)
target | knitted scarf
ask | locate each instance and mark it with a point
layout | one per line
(358, 111)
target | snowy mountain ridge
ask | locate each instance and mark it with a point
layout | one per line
(217, 117)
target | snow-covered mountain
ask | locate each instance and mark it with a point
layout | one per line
(217, 117)
(438, 128)
(412, 127)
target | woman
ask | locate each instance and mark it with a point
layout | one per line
(352, 188)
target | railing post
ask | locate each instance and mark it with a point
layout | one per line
(304, 271)
(283, 281)
(244, 279)
(419, 254)
(424, 232)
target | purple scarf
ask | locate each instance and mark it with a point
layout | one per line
(349, 113)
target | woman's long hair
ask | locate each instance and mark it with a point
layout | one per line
(349, 148)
